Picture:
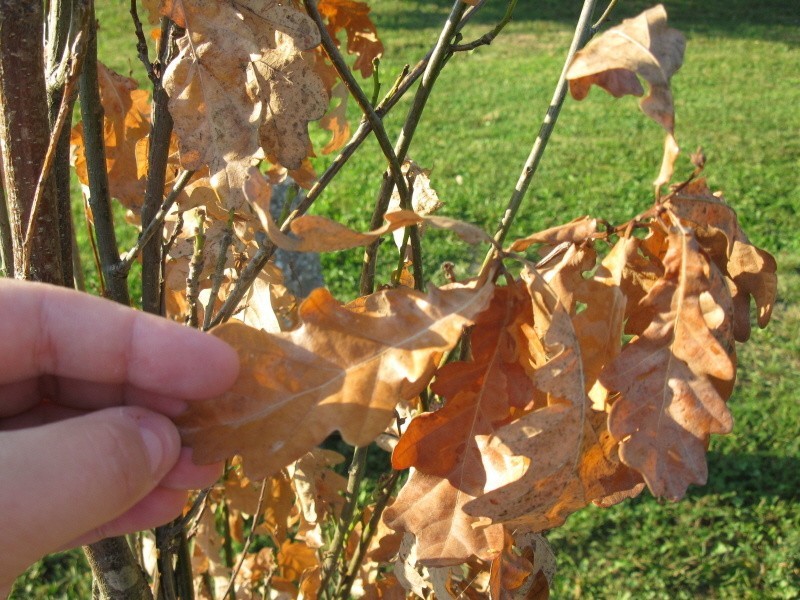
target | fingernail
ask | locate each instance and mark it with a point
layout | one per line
(155, 442)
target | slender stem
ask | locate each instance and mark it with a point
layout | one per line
(439, 56)
(6, 247)
(248, 541)
(363, 102)
(489, 37)
(356, 474)
(99, 200)
(367, 535)
(606, 13)
(219, 272)
(157, 156)
(141, 45)
(156, 223)
(195, 270)
(227, 546)
(248, 275)
(582, 34)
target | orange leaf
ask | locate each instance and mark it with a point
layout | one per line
(645, 46)
(338, 370)
(669, 404)
(241, 87)
(362, 36)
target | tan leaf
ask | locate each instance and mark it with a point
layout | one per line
(335, 120)
(338, 370)
(362, 36)
(568, 459)
(668, 404)
(126, 110)
(576, 231)
(643, 46)
(752, 271)
(241, 88)
(444, 449)
(319, 488)
(525, 570)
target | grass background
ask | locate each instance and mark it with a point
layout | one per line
(738, 96)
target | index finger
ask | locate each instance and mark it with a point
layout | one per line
(49, 330)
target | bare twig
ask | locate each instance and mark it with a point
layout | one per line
(219, 272)
(582, 34)
(248, 541)
(439, 56)
(155, 225)
(604, 17)
(141, 45)
(367, 535)
(488, 38)
(99, 200)
(363, 102)
(195, 270)
(355, 475)
(64, 111)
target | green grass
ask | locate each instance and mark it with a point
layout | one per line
(738, 96)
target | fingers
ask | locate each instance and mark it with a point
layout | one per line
(68, 478)
(51, 330)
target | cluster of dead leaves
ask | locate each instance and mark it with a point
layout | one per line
(245, 84)
(602, 368)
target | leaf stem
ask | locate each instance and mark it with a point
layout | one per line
(581, 36)
(219, 271)
(488, 38)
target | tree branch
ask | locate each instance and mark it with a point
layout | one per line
(582, 35)
(99, 198)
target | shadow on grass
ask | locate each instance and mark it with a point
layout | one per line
(751, 477)
(766, 19)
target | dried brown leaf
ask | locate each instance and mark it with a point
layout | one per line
(338, 370)
(667, 378)
(241, 87)
(362, 36)
(642, 46)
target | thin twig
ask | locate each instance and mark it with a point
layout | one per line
(439, 56)
(141, 45)
(488, 38)
(363, 102)
(219, 272)
(355, 475)
(604, 17)
(63, 112)
(195, 270)
(248, 541)
(367, 535)
(582, 35)
(127, 260)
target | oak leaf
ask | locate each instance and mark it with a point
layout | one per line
(362, 36)
(576, 231)
(642, 46)
(565, 456)
(241, 87)
(126, 122)
(443, 446)
(667, 378)
(338, 370)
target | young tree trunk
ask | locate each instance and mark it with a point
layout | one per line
(24, 137)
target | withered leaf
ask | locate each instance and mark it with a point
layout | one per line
(568, 459)
(576, 231)
(362, 36)
(669, 403)
(339, 369)
(126, 110)
(241, 87)
(645, 46)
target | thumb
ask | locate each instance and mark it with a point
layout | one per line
(63, 479)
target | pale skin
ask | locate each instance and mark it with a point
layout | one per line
(87, 447)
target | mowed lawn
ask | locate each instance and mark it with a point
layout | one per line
(738, 96)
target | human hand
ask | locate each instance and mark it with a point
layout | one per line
(87, 450)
